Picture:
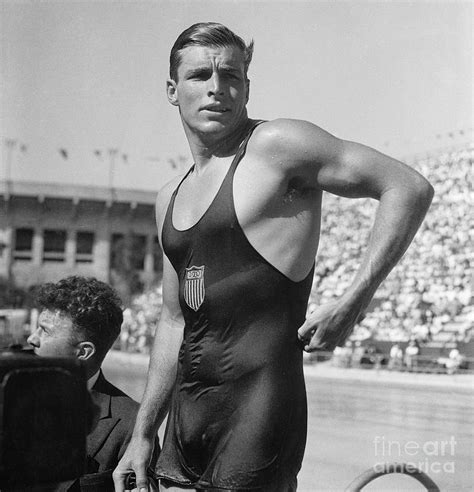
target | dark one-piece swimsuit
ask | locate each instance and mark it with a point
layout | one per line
(238, 413)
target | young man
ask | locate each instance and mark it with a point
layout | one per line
(240, 233)
(81, 317)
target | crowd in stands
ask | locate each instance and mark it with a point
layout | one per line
(429, 292)
(401, 357)
(426, 297)
(139, 322)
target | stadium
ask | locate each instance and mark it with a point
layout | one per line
(88, 137)
(427, 298)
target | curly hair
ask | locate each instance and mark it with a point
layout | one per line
(93, 306)
(210, 34)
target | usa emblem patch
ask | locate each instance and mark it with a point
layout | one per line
(194, 287)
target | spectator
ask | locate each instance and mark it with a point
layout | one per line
(81, 317)
(411, 353)
(453, 362)
(396, 357)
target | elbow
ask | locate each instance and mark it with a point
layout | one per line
(425, 192)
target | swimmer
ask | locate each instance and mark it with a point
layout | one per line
(240, 232)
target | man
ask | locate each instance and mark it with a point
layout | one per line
(240, 233)
(81, 317)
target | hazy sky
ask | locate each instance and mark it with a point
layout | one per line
(90, 76)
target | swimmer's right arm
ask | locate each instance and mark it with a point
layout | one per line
(160, 381)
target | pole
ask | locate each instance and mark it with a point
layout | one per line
(112, 155)
(10, 143)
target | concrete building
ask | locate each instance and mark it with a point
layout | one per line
(49, 231)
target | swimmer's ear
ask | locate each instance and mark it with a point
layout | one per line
(171, 92)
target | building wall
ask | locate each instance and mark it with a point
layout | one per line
(101, 217)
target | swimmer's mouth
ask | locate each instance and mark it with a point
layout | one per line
(215, 108)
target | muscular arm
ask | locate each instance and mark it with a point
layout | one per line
(161, 376)
(404, 197)
(355, 171)
(163, 359)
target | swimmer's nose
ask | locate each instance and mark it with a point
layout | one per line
(216, 85)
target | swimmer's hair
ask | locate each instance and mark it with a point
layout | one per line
(94, 307)
(210, 34)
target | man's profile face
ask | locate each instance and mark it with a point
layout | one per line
(54, 335)
(212, 88)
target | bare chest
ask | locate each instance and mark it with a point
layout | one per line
(196, 195)
(252, 191)
(279, 216)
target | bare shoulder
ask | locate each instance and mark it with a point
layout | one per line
(292, 141)
(164, 195)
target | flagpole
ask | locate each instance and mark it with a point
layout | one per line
(112, 155)
(10, 144)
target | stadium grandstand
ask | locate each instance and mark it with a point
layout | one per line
(426, 298)
(428, 294)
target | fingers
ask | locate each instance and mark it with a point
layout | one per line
(325, 329)
(319, 346)
(318, 339)
(306, 337)
(305, 332)
(126, 479)
(142, 481)
(119, 481)
(311, 337)
(120, 477)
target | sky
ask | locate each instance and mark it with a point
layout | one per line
(81, 78)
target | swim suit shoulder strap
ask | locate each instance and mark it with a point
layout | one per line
(243, 146)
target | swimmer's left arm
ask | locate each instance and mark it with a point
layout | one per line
(404, 198)
(353, 170)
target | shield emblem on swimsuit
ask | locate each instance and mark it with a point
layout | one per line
(194, 287)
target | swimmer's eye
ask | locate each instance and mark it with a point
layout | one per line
(199, 75)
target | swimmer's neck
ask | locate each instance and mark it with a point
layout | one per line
(206, 147)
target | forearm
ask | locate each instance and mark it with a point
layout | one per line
(160, 380)
(399, 215)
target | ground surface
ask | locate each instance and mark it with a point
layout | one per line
(360, 418)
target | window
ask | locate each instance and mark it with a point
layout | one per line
(54, 248)
(139, 251)
(23, 244)
(84, 247)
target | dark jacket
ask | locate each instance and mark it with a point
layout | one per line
(112, 427)
(112, 431)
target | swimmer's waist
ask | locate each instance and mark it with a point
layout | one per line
(215, 366)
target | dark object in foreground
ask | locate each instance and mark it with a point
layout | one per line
(44, 408)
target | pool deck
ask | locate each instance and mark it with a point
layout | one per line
(463, 382)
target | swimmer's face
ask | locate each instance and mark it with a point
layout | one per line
(54, 336)
(211, 90)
